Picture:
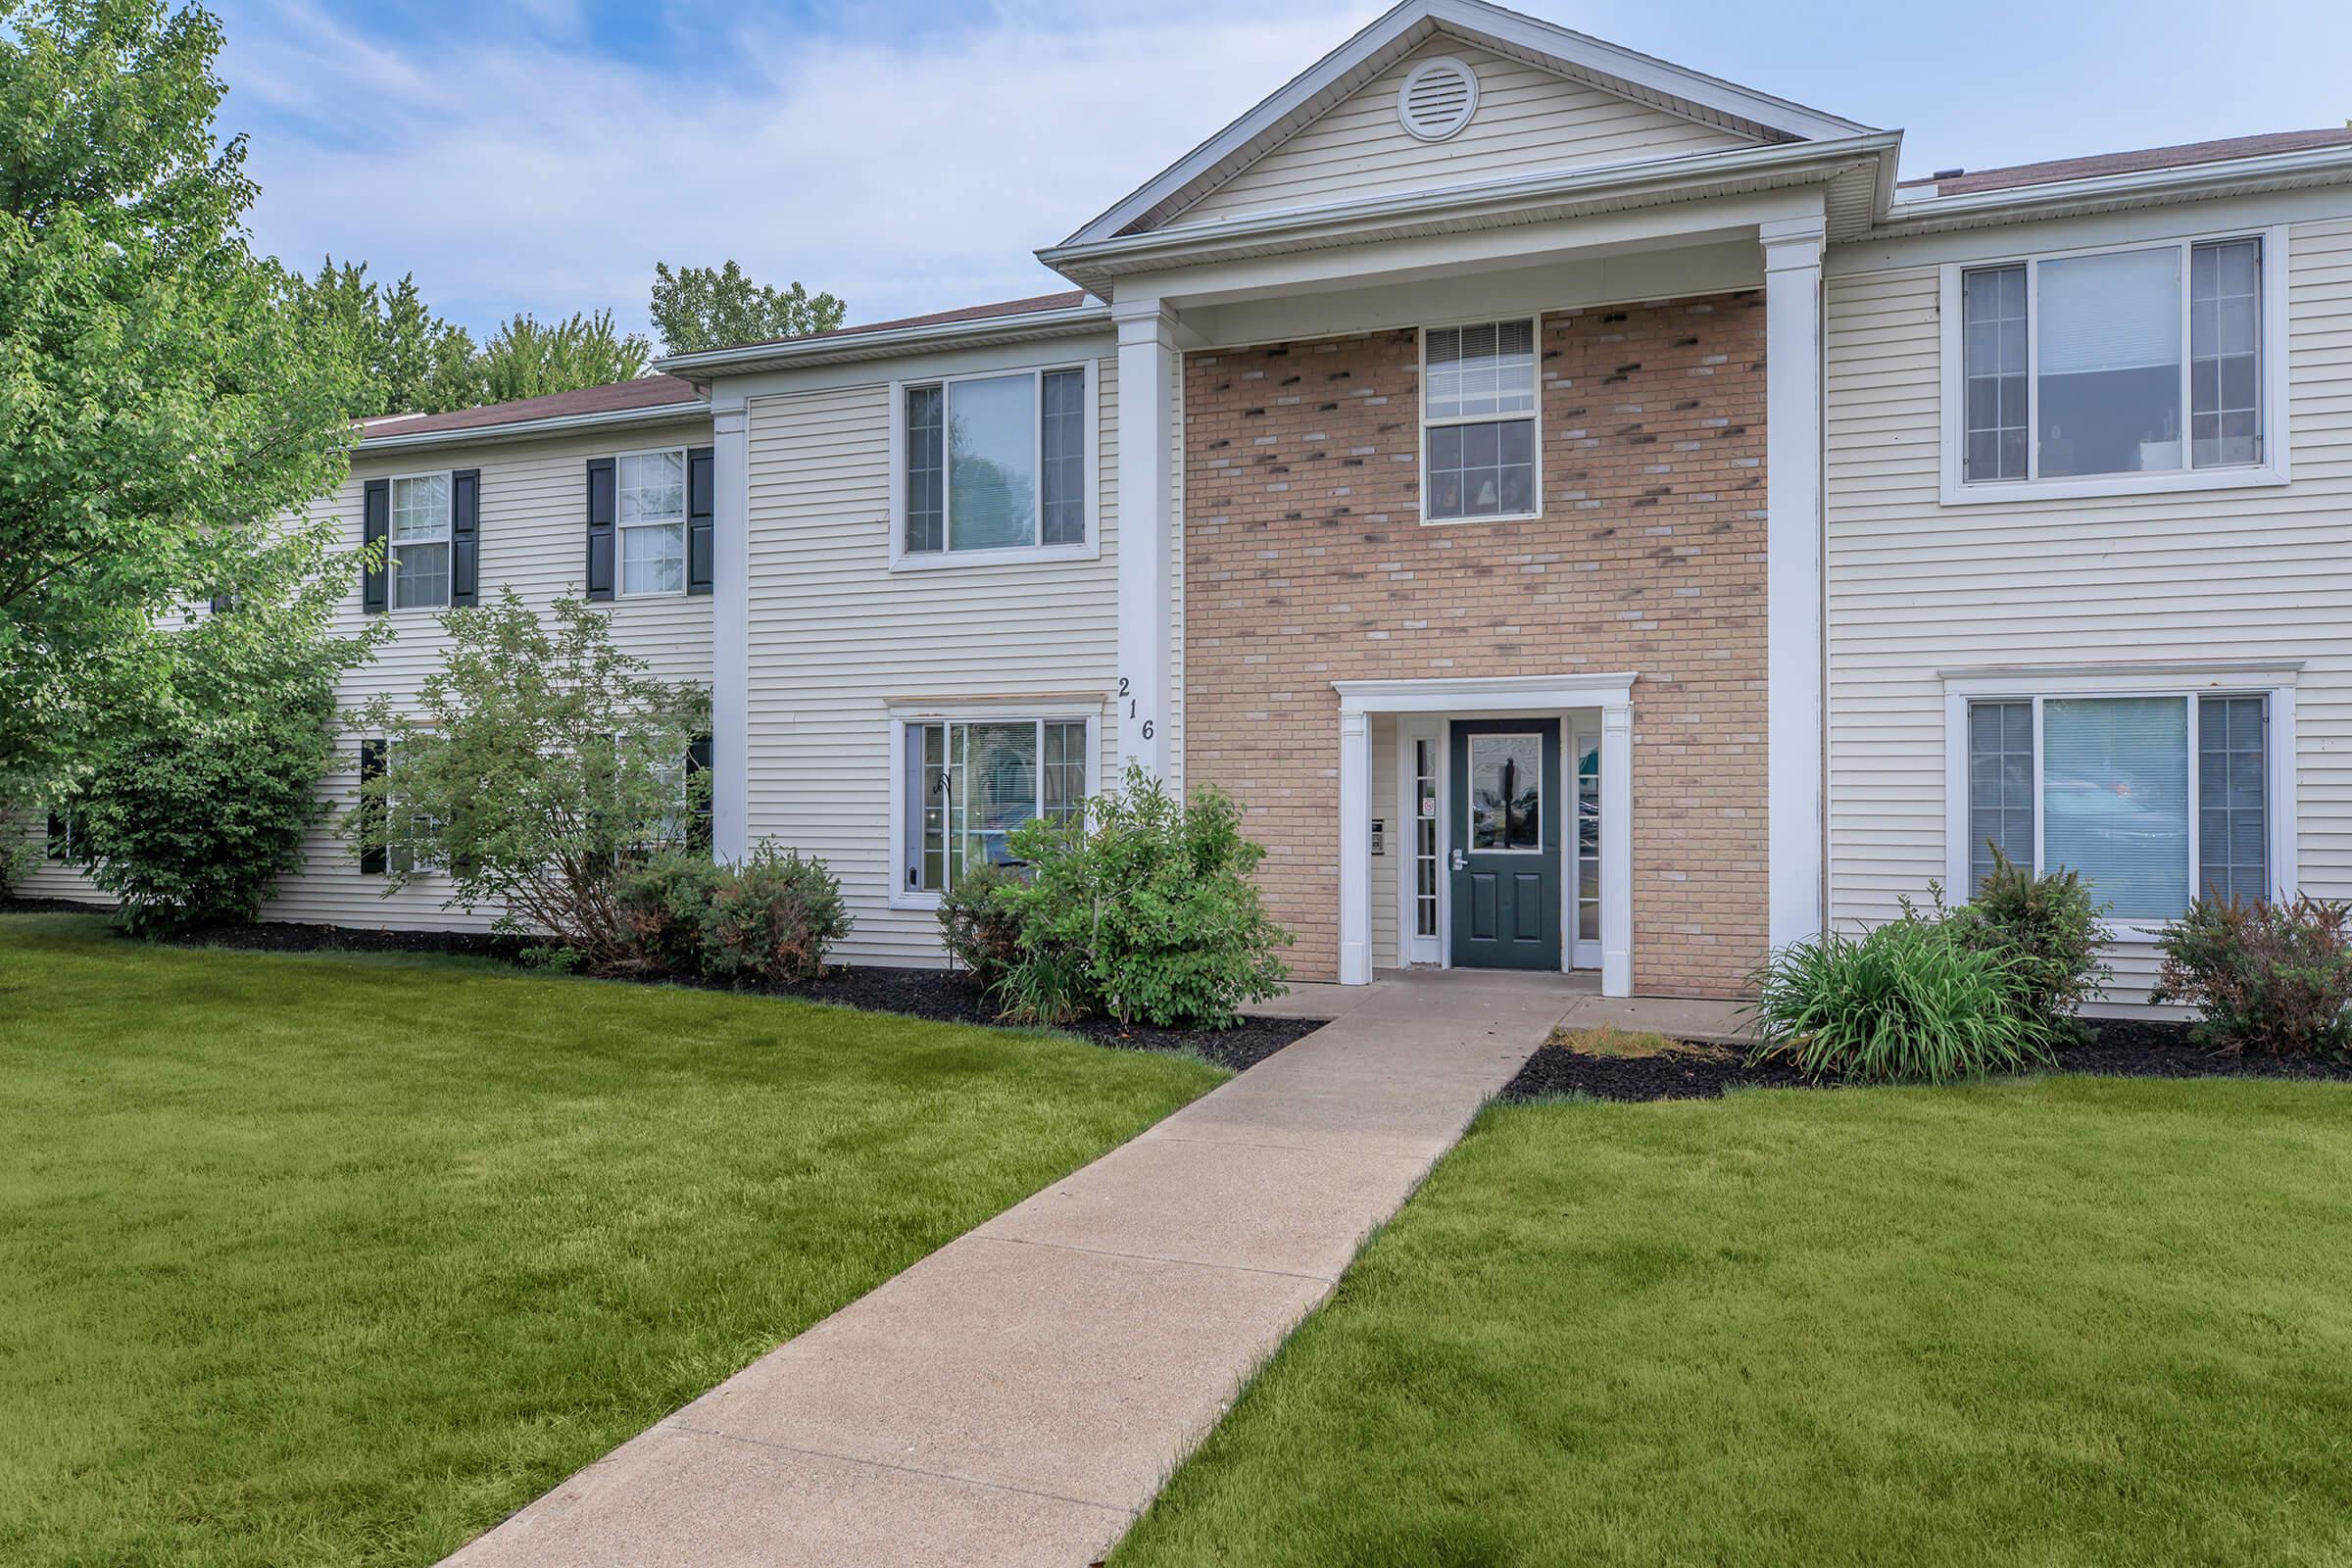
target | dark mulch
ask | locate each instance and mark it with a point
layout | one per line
(2123, 1048)
(937, 995)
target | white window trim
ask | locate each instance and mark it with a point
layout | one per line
(2274, 681)
(1533, 416)
(2275, 467)
(620, 554)
(1087, 549)
(1087, 709)
(449, 541)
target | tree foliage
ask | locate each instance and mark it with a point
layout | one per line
(160, 400)
(197, 799)
(536, 762)
(413, 361)
(697, 308)
(526, 359)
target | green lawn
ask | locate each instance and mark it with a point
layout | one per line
(330, 1260)
(2073, 1321)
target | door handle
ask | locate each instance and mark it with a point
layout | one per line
(1461, 862)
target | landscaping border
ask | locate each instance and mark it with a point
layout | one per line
(939, 996)
(2118, 1047)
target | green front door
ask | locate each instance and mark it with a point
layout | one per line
(1505, 850)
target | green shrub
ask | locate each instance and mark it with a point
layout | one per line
(1144, 904)
(2048, 926)
(2270, 979)
(665, 902)
(1909, 1003)
(772, 919)
(981, 932)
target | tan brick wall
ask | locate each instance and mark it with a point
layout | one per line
(1305, 563)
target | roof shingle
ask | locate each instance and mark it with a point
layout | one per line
(646, 392)
(2131, 162)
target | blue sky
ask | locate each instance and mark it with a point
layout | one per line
(541, 155)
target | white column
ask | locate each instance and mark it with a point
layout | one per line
(1356, 848)
(1793, 571)
(731, 633)
(1147, 475)
(1617, 849)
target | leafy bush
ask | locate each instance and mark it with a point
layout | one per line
(200, 791)
(536, 764)
(1912, 1002)
(665, 903)
(2048, 925)
(2270, 979)
(1143, 905)
(772, 919)
(982, 934)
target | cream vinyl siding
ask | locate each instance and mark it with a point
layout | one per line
(534, 540)
(1529, 120)
(836, 637)
(1916, 588)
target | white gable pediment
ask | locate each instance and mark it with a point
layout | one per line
(1546, 99)
(1527, 119)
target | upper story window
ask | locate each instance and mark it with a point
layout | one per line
(995, 464)
(2102, 373)
(417, 557)
(652, 512)
(1477, 421)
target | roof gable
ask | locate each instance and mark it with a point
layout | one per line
(1683, 110)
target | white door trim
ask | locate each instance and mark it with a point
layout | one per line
(1452, 696)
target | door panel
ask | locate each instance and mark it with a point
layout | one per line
(1505, 845)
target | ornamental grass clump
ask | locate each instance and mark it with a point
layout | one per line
(1910, 1002)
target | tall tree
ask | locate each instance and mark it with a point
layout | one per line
(417, 363)
(528, 359)
(697, 308)
(161, 400)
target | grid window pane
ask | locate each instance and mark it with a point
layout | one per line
(653, 487)
(2224, 316)
(1064, 769)
(653, 560)
(2115, 800)
(418, 558)
(926, 469)
(1425, 838)
(991, 463)
(1588, 844)
(1486, 369)
(1482, 470)
(2108, 374)
(2233, 798)
(1992, 313)
(1063, 394)
(2000, 786)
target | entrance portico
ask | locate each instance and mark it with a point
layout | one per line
(1552, 709)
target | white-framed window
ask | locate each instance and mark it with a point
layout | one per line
(408, 829)
(2158, 791)
(417, 551)
(651, 511)
(2157, 365)
(965, 781)
(1480, 422)
(994, 466)
(63, 841)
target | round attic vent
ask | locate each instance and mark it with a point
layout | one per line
(1438, 99)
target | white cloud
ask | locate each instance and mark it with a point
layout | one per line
(523, 173)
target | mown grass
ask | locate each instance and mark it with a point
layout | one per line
(337, 1260)
(2070, 1321)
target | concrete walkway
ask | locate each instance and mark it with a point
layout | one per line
(1018, 1396)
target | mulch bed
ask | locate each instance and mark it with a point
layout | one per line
(938, 995)
(2125, 1048)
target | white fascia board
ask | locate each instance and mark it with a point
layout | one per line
(1404, 25)
(1522, 196)
(523, 429)
(2105, 192)
(838, 348)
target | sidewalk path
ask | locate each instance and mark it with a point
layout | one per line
(1020, 1396)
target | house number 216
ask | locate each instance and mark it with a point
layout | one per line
(1133, 707)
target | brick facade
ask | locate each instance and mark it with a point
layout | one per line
(1304, 563)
